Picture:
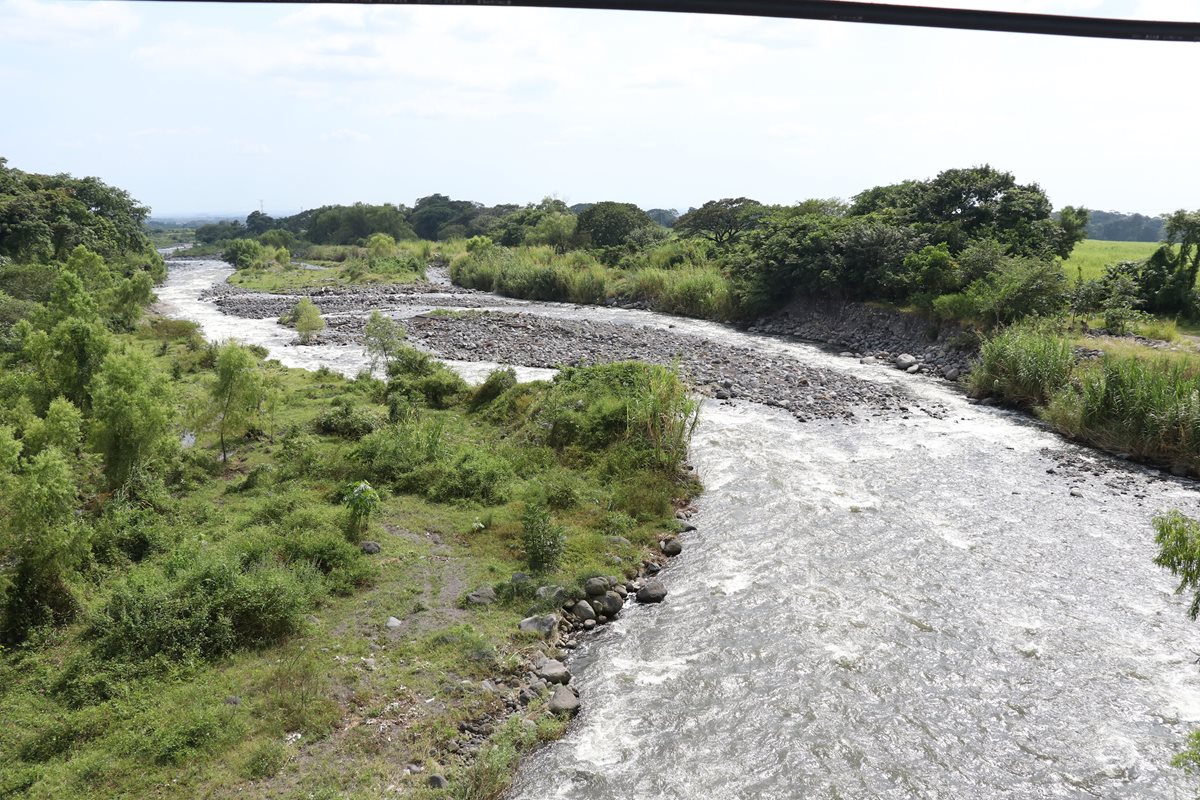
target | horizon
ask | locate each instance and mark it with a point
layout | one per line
(302, 106)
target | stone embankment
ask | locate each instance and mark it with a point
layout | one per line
(881, 333)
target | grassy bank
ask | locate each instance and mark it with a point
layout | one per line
(1131, 399)
(230, 633)
(692, 286)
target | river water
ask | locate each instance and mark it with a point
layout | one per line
(896, 608)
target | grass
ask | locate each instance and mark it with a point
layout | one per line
(1133, 399)
(685, 287)
(1093, 255)
(339, 704)
(292, 277)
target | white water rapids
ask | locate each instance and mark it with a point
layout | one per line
(895, 608)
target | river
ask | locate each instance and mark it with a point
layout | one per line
(908, 606)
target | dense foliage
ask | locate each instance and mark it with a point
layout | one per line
(178, 512)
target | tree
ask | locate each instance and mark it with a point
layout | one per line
(1178, 539)
(721, 221)
(77, 350)
(308, 319)
(132, 411)
(236, 393)
(243, 253)
(382, 337)
(609, 224)
(45, 546)
(555, 229)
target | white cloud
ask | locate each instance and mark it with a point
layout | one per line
(345, 135)
(74, 24)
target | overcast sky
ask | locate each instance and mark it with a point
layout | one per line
(214, 108)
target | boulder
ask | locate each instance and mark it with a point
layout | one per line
(595, 587)
(904, 361)
(483, 596)
(370, 548)
(951, 375)
(552, 671)
(583, 611)
(544, 626)
(652, 591)
(671, 547)
(613, 603)
(564, 701)
(437, 782)
(687, 527)
(393, 623)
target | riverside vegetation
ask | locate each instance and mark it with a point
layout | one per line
(189, 598)
(202, 547)
(1084, 334)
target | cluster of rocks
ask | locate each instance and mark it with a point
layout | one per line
(720, 370)
(240, 302)
(603, 598)
(883, 334)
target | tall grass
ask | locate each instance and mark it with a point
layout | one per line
(1148, 407)
(1024, 365)
(1130, 400)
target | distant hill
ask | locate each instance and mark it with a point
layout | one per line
(1115, 226)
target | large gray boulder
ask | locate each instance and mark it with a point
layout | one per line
(671, 547)
(904, 361)
(612, 603)
(652, 591)
(483, 596)
(595, 587)
(564, 701)
(583, 611)
(544, 626)
(552, 671)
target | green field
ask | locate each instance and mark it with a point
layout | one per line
(1093, 255)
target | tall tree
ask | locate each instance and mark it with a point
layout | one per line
(721, 221)
(236, 393)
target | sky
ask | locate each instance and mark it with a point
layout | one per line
(221, 108)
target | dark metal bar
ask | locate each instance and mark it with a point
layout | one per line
(848, 11)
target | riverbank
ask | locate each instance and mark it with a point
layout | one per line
(927, 537)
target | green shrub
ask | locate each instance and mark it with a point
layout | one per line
(341, 563)
(588, 286)
(212, 609)
(347, 420)
(393, 453)
(643, 408)
(497, 383)
(543, 541)
(470, 475)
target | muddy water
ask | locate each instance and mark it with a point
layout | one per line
(897, 608)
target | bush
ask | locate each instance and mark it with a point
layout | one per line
(346, 420)
(210, 610)
(497, 383)
(392, 454)
(415, 375)
(543, 541)
(470, 475)
(643, 408)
